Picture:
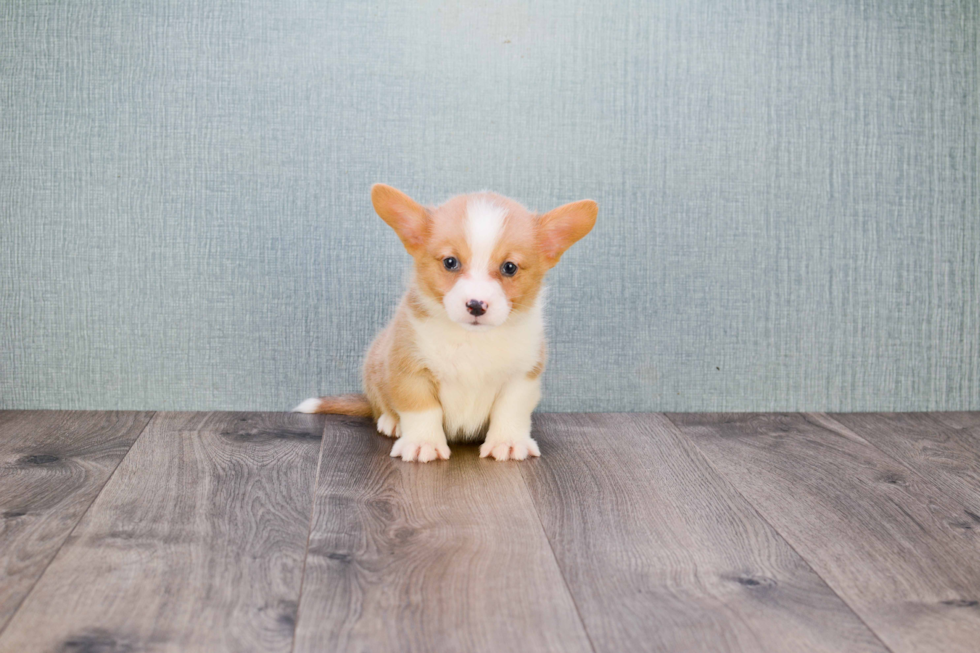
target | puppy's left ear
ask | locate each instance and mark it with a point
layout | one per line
(561, 228)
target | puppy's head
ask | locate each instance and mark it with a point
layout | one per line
(481, 257)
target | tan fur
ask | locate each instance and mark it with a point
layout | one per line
(353, 405)
(394, 379)
(539, 366)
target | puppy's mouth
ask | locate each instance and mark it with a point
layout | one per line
(474, 324)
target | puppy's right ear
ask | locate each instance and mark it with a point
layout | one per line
(407, 217)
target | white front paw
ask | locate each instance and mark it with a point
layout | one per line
(388, 425)
(422, 437)
(508, 448)
(423, 451)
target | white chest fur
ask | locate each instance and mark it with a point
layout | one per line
(472, 367)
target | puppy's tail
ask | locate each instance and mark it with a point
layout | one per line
(353, 405)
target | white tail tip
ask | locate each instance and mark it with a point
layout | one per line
(308, 406)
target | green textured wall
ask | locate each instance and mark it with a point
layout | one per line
(789, 193)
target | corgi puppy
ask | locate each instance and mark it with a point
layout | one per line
(463, 355)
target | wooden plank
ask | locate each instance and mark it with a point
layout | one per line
(445, 556)
(195, 544)
(886, 539)
(52, 466)
(947, 455)
(967, 425)
(662, 554)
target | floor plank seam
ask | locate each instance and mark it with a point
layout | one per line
(309, 535)
(554, 556)
(13, 615)
(898, 461)
(765, 520)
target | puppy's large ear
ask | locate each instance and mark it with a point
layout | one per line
(563, 227)
(403, 214)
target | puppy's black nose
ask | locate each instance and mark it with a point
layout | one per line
(476, 307)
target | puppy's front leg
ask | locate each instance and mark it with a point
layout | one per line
(509, 436)
(422, 437)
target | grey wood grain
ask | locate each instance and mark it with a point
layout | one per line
(887, 540)
(52, 466)
(195, 544)
(967, 425)
(662, 554)
(949, 456)
(446, 556)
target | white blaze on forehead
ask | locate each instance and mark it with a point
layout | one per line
(484, 222)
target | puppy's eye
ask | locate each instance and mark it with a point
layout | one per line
(450, 263)
(508, 269)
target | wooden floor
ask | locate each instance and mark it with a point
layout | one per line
(131, 532)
